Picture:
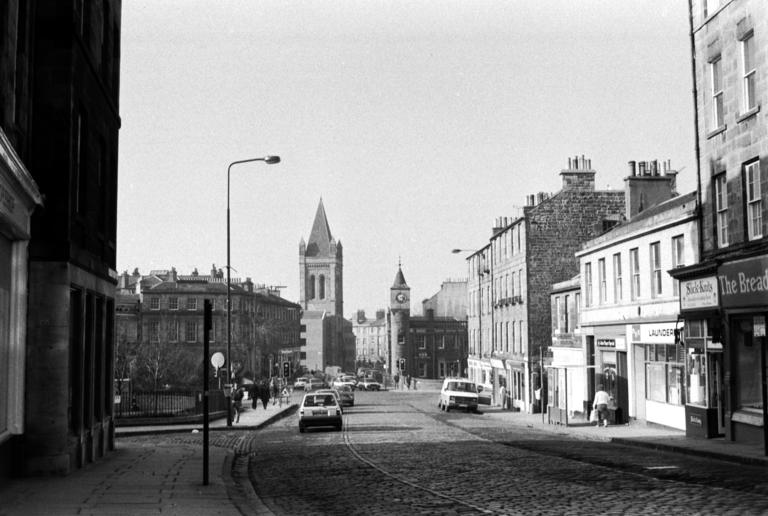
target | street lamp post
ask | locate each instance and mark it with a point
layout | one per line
(269, 160)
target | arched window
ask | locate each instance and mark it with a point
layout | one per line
(311, 287)
(321, 285)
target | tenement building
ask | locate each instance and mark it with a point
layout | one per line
(328, 338)
(724, 298)
(511, 277)
(60, 64)
(371, 342)
(160, 315)
(629, 313)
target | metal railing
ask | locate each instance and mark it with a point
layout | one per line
(168, 403)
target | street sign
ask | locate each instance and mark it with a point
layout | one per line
(217, 359)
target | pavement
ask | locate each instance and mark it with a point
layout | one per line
(165, 475)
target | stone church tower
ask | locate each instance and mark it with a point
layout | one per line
(321, 268)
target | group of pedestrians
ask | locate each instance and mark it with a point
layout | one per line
(405, 382)
(262, 391)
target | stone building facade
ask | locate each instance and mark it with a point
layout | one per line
(371, 341)
(511, 277)
(59, 110)
(165, 310)
(723, 298)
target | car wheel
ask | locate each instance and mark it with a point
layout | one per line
(301, 429)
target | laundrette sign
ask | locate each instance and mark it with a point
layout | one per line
(744, 283)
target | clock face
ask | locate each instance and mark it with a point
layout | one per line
(400, 298)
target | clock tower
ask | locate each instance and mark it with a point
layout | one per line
(400, 310)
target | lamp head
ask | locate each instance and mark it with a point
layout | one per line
(456, 251)
(271, 160)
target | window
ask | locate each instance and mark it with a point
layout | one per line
(190, 331)
(421, 342)
(664, 373)
(191, 303)
(587, 284)
(710, 7)
(576, 307)
(321, 286)
(566, 313)
(748, 71)
(634, 265)
(716, 75)
(173, 332)
(154, 303)
(154, 331)
(721, 209)
(601, 278)
(311, 289)
(173, 303)
(655, 251)
(440, 341)
(617, 293)
(678, 259)
(754, 201)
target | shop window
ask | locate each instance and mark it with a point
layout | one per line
(748, 384)
(664, 373)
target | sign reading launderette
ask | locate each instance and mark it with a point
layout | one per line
(744, 283)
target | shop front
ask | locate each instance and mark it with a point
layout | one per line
(611, 369)
(743, 292)
(659, 363)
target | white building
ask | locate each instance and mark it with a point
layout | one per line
(628, 318)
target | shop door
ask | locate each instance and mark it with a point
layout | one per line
(716, 389)
(622, 387)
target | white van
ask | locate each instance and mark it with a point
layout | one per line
(458, 393)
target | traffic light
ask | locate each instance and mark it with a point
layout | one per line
(286, 369)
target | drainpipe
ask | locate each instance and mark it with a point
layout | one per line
(696, 133)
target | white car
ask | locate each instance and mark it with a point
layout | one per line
(319, 410)
(458, 393)
(345, 380)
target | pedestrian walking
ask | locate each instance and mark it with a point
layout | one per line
(503, 395)
(397, 381)
(274, 390)
(602, 399)
(254, 394)
(237, 402)
(408, 381)
(264, 394)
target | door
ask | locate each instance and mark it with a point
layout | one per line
(716, 388)
(622, 387)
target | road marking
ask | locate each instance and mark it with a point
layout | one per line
(662, 467)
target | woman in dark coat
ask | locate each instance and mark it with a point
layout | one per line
(264, 394)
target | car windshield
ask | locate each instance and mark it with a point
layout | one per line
(462, 386)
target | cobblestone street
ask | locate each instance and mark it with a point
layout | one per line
(399, 455)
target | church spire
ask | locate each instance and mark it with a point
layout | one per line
(320, 238)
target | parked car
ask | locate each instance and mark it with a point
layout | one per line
(368, 384)
(336, 394)
(319, 410)
(345, 380)
(347, 395)
(313, 384)
(458, 393)
(300, 383)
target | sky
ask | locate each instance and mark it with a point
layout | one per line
(418, 123)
